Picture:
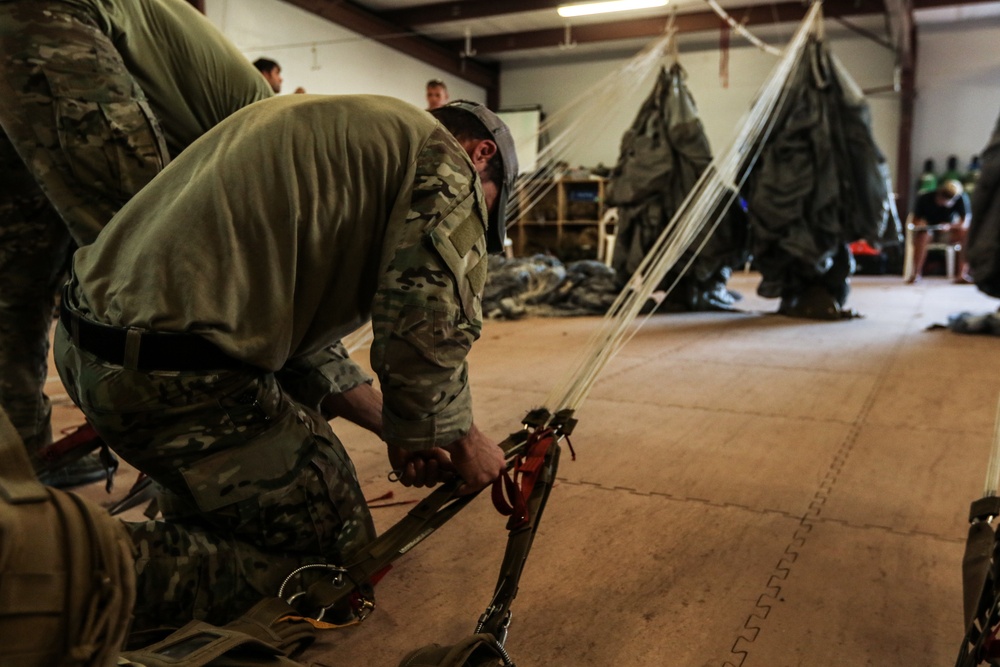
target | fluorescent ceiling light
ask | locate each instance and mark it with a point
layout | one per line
(585, 8)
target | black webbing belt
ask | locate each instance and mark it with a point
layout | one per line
(144, 350)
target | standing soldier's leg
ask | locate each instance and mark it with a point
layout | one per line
(34, 250)
(74, 113)
(84, 131)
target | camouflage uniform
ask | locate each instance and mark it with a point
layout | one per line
(383, 218)
(34, 252)
(72, 105)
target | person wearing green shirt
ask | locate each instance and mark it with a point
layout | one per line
(203, 343)
(96, 97)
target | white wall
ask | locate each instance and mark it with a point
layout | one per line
(958, 79)
(344, 62)
(958, 91)
(553, 84)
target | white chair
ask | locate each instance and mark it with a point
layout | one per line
(951, 250)
(606, 235)
(508, 247)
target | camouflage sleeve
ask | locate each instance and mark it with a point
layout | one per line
(74, 111)
(427, 310)
(312, 378)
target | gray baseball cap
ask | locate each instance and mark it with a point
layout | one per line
(497, 231)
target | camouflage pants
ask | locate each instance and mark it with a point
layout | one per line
(255, 484)
(34, 251)
(85, 133)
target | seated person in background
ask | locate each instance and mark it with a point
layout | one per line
(948, 208)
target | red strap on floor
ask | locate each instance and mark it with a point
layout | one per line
(510, 492)
(83, 437)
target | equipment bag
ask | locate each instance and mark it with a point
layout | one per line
(199, 644)
(67, 578)
(480, 650)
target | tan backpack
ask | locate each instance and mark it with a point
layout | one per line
(67, 578)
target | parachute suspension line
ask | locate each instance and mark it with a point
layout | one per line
(741, 30)
(594, 109)
(993, 469)
(591, 108)
(582, 117)
(700, 210)
(357, 340)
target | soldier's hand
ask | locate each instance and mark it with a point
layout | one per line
(477, 459)
(427, 467)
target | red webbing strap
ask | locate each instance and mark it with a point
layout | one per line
(84, 437)
(509, 492)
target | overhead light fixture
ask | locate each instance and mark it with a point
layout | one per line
(587, 8)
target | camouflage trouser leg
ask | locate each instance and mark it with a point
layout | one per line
(74, 113)
(34, 250)
(257, 483)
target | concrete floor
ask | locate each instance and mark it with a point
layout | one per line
(750, 490)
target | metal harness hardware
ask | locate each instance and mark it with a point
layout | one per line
(981, 584)
(533, 455)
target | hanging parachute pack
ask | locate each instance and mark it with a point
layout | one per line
(984, 230)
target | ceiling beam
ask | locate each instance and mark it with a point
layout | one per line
(700, 21)
(442, 12)
(459, 10)
(402, 39)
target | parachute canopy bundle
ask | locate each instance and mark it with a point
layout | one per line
(984, 231)
(543, 286)
(804, 166)
(662, 156)
(819, 183)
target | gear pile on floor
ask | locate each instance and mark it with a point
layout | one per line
(972, 323)
(542, 286)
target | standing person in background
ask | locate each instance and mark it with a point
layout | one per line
(96, 97)
(271, 71)
(437, 94)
